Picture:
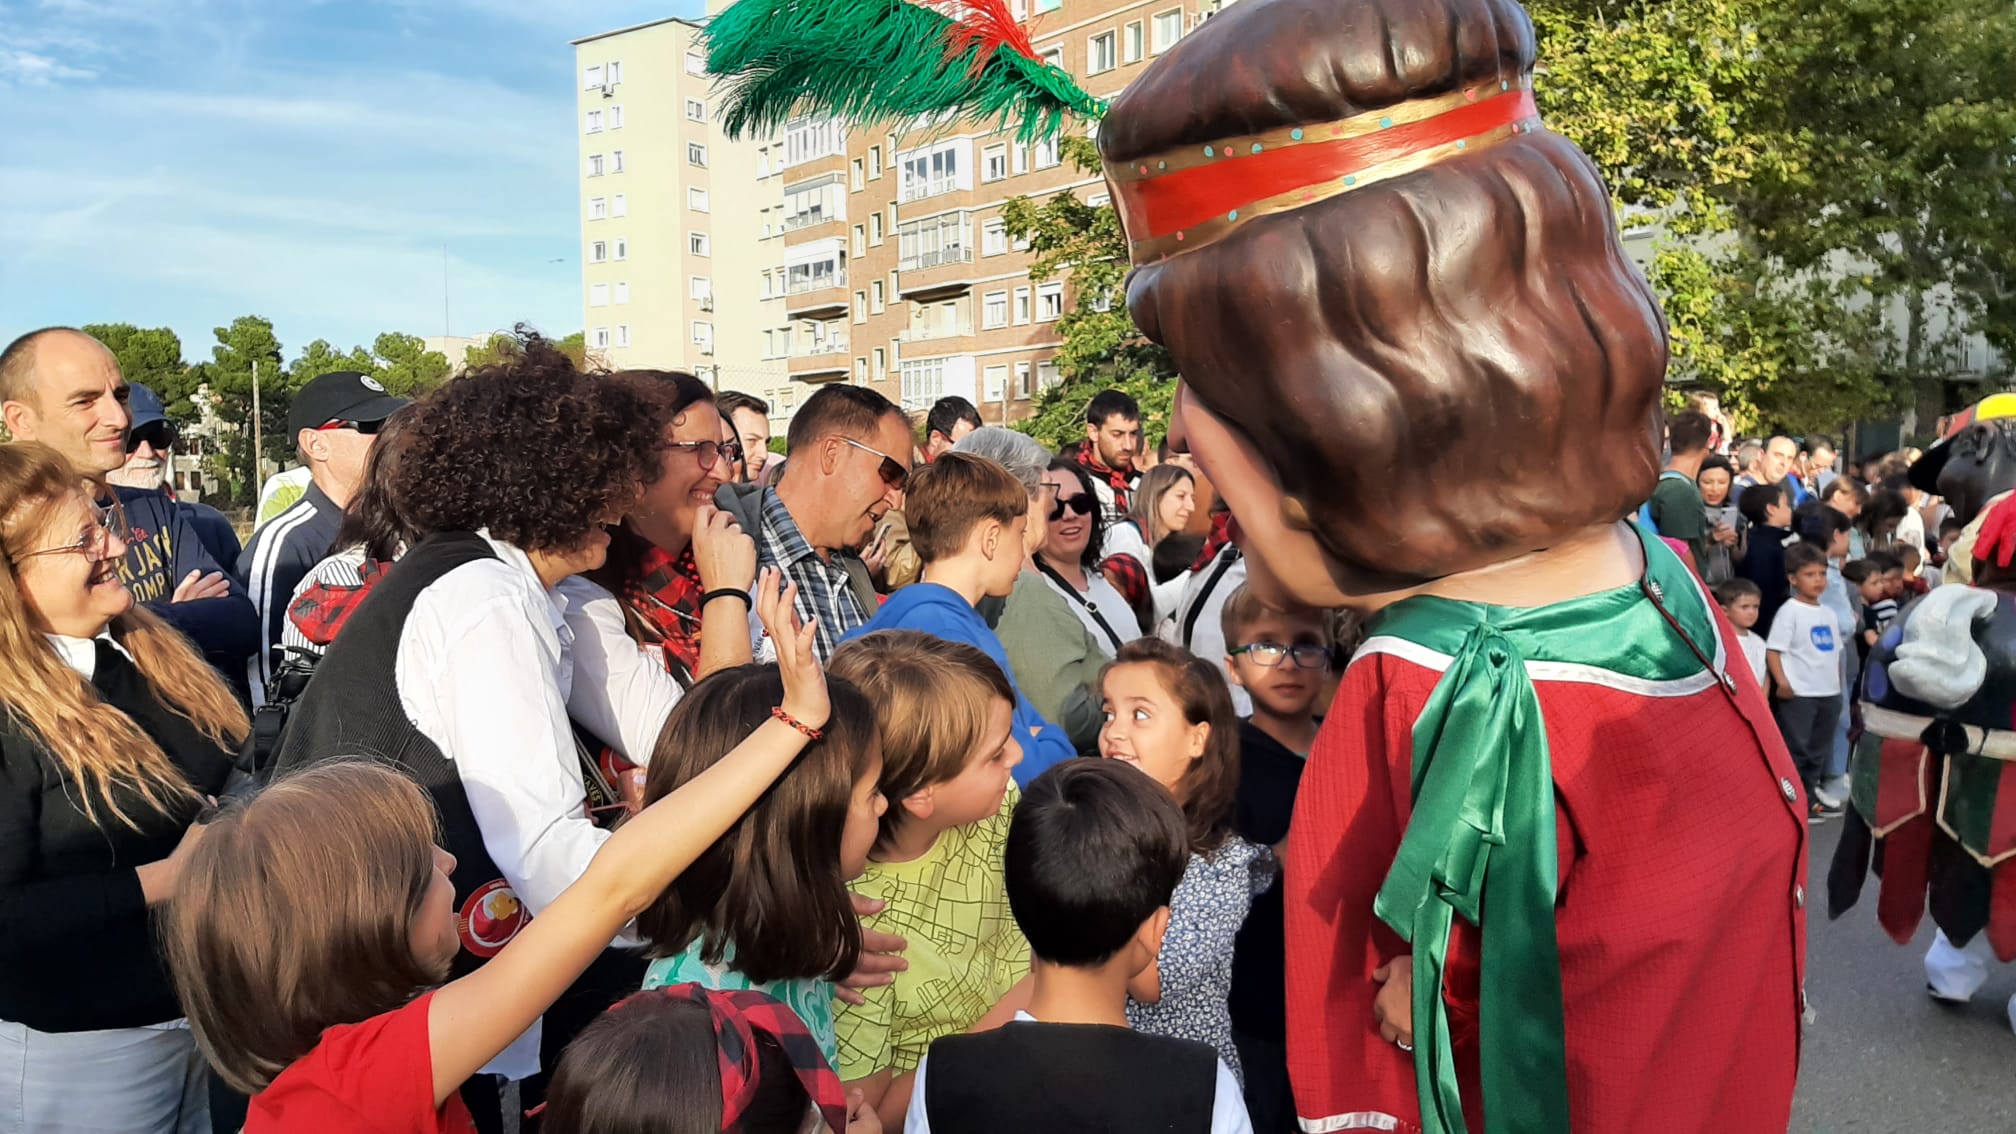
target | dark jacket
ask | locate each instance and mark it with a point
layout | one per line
(215, 530)
(282, 552)
(1764, 565)
(77, 947)
(162, 550)
(745, 503)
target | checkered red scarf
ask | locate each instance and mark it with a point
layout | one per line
(1119, 481)
(664, 595)
(738, 1017)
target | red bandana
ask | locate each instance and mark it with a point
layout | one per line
(738, 1017)
(665, 597)
(1121, 484)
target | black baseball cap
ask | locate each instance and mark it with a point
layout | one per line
(340, 395)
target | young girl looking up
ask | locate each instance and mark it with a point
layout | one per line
(313, 921)
(1169, 714)
(766, 906)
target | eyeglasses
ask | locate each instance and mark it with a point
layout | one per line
(1081, 504)
(708, 452)
(112, 517)
(894, 473)
(160, 435)
(1270, 654)
(367, 428)
(94, 544)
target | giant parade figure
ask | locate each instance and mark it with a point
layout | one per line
(1939, 701)
(1548, 865)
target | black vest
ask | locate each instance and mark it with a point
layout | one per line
(351, 708)
(1068, 1078)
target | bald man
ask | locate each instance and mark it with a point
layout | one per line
(1780, 455)
(61, 387)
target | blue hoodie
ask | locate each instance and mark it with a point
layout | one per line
(938, 610)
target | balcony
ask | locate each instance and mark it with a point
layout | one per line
(824, 294)
(918, 190)
(813, 219)
(820, 361)
(933, 274)
(960, 330)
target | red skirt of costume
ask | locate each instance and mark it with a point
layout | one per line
(1680, 912)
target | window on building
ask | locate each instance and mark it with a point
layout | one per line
(927, 173)
(616, 117)
(622, 293)
(1018, 157)
(814, 276)
(1049, 301)
(696, 63)
(1021, 306)
(1168, 29)
(994, 237)
(594, 165)
(1048, 5)
(881, 364)
(860, 307)
(876, 303)
(923, 382)
(600, 337)
(622, 334)
(945, 239)
(994, 163)
(994, 310)
(816, 201)
(594, 122)
(1099, 200)
(769, 284)
(615, 161)
(598, 295)
(874, 162)
(696, 111)
(995, 383)
(1102, 302)
(1022, 389)
(1046, 155)
(615, 71)
(809, 139)
(591, 77)
(1018, 243)
(860, 174)
(619, 205)
(696, 154)
(700, 287)
(1100, 53)
(1047, 375)
(622, 249)
(875, 229)
(598, 252)
(703, 336)
(860, 240)
(1054, 57)
(698, 244)
(1132, 39)
(696, 198)
(598, 208)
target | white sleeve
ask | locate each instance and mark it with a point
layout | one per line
(916, 1120)
(1780, 638)
(620, 692)
(482, 682)
(1228, 1109)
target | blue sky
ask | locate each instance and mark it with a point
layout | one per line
(183, 162)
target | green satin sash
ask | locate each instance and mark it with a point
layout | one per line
(1481, 836)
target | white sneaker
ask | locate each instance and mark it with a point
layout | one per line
(1826, 800)
(1837, 787)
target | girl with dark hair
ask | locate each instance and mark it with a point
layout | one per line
(1168, 713)
(1070, 555)
(766, 906)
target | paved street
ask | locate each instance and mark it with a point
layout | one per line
(1882, 1058)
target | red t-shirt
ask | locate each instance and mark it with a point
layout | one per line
(377, 1076)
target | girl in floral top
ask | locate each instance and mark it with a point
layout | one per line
(1169, 714)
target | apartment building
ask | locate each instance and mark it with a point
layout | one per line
(670, 216)
(896, 269)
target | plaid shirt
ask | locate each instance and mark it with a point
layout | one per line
(825, 591)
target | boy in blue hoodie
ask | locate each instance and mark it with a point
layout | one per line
(969, 518)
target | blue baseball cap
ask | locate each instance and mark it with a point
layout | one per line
(143, 405)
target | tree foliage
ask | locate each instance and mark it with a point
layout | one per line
(150, 357)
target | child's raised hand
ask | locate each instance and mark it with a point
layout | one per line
(804, 681)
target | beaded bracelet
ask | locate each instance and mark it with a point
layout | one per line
(810, 732)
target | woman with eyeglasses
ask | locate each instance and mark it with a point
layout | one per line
(1070, 555)
(115, 732)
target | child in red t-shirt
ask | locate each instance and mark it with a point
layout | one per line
(310, 918)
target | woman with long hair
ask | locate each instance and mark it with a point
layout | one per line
(1161, 506)
(114, 733)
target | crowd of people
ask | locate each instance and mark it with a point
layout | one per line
(558, 744)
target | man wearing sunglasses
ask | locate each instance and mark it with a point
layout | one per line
(847, 462)
(150, 467)
(63, 388)
(334, 420)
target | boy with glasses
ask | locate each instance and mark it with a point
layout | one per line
(1282, 661)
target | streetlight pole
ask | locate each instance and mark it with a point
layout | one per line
(257, 437)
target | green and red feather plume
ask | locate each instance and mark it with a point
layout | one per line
(867, 61)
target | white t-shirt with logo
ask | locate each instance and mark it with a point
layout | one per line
(1808, 643)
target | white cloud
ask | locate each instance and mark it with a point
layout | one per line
(28, 68)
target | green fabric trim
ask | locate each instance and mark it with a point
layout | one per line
(1482, 828)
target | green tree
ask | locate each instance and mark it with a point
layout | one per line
(406, 367)
(503, 347)
(245, 348)
(151, 357)
(321, 357)
(1102, 349)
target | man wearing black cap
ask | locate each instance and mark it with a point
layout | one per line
(149, 467)
(334, 419)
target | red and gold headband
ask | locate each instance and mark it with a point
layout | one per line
(1186, 198)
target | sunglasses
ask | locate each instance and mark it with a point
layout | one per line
(160, 435)
(894, 473)
(1271, 654)
(1082, 504)
(709, 452)
(367, 428)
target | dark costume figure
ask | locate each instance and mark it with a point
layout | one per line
(1930, 810)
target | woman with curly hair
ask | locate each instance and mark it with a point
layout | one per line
(458, 669)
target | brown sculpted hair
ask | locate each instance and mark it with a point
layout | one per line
(951, 496)
(932, 698)
(771, 887)
(113, 762)
(296, 913)
(1210, 787)
(1474, 323)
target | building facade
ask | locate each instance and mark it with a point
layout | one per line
(876, 256)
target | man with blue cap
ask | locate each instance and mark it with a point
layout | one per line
(150, 467)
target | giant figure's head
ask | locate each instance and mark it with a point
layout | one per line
(1976, 458)
(1410, 341)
